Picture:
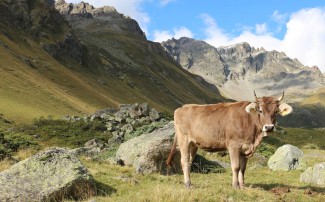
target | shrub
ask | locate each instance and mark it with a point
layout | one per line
(265, 150)
(12, 142)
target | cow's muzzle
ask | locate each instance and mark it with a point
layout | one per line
(268, 128)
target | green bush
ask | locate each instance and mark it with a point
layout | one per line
(67, 133)
(12, 142)
(265, 150)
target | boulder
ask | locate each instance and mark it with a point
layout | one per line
(314, 175)
(148, 152)
(286, 158)
(51, 175)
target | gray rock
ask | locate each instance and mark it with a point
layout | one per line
(48, 176)
(154, 115)
(148, 152)
(127, 128)
(314, 175)
(287, 158)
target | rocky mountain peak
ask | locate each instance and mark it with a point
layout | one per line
(84, 8)
(106, 15)
(238, 67)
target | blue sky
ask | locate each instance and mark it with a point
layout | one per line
(296, 27)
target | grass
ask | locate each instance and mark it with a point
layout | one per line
(116, 183)
(123, 184)
(299, 137)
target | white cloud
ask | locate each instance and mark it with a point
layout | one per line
(131, 8)
(279, 18)
(304, 38)
(215, 35)
(261, 29)
(163, 35)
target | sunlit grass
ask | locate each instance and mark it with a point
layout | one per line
(123, 184)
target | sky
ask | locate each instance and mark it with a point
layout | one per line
(296, 27)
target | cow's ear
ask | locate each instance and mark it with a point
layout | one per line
(251, 108)
(285, 109)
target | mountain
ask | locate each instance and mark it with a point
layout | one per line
(240, 69)
(78, 59)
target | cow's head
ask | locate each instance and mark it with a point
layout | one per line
(266, 108)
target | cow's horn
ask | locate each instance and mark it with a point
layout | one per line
(280, 98)
(255, 96)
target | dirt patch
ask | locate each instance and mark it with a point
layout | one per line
(280, 190)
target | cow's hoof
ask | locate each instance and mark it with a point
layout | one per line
(189, 185)
(235, 186)
(242, 186)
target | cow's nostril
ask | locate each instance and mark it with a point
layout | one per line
(268, 128)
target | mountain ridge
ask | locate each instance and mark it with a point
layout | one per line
(50, 66)
(238, 67)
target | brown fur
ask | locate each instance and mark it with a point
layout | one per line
(220, 127)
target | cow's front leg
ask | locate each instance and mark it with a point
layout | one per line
(242, 165)
(185, 161)
(235, 166)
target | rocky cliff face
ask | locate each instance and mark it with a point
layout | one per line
(242, 68)
(40, 20)
(107, 14)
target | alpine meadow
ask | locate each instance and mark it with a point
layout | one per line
(87, 108)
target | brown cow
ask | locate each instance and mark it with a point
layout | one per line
(238, 127)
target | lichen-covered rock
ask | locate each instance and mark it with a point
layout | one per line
(148, 152)
(287, 158)
(314, 175)
(48, 176)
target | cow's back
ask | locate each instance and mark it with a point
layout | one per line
(211, 126)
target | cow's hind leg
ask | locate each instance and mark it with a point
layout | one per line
(242, 165)
(235, 166)
(193, 151)
(185, 158)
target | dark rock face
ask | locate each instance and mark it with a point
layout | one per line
(48, 176)
(41, 20)
(69, 46)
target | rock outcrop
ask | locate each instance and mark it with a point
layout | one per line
(286, 158)
(48, 176)
(106, 14)
(314, 175)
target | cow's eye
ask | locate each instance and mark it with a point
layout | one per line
(260, 111)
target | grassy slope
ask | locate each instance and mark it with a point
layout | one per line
(50, 88)
(317, 98)
(47, 89)
(57, 88)
(310, 112)
(122, 184)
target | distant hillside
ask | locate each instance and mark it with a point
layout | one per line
(239, 69)
(87, 60)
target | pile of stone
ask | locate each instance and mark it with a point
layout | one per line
(122, 122)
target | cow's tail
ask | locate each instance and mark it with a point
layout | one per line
(172, 152)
